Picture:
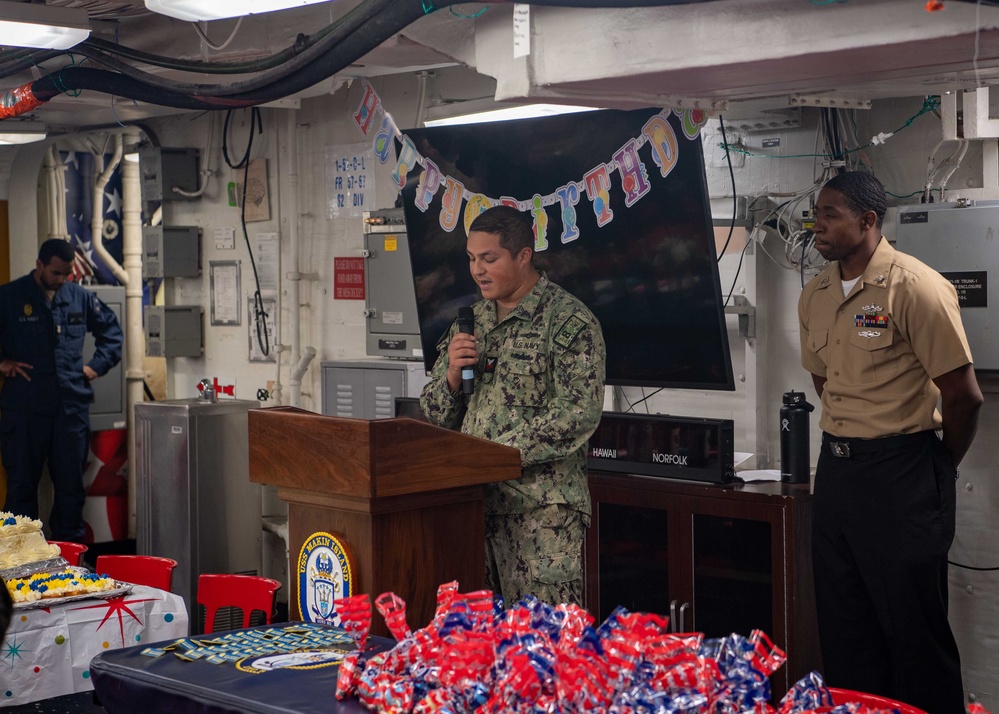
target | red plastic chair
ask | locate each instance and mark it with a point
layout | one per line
(72, 552)
(148, 570)
(247, 592)
(844, 696)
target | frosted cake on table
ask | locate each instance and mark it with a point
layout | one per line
(22, 541)
(65, 583)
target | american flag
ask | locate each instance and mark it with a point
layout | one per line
(79, 176)
(83, 267)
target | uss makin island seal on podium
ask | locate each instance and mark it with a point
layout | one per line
(324, 575)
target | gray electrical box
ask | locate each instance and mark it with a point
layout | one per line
(163, 169)
(171, 251)
(959, 241)
(393, 325)
(366, 389)
(174, 330)
(107, 411)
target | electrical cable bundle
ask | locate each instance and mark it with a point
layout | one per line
(259, 314)
(308, 61)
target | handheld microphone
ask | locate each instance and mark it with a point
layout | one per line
(466, 324)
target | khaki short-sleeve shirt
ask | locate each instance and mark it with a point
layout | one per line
(881, 346)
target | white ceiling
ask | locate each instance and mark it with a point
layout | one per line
(729, 55)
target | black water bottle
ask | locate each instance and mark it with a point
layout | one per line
(795, 464)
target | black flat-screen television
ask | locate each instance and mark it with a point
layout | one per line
(637, 247)
(410, 407)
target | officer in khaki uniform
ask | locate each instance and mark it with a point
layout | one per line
(539, 360)
(881, 335)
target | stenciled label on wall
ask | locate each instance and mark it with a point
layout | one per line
(325, 574)
(349, 179)
(972, 287)
(914, 217)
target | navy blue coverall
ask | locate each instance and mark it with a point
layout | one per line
(47, 418)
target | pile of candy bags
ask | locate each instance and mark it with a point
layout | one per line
(474, 656)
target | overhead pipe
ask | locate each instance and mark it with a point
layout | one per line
(55, 181)
(131, 221)
(51, 166)
(957, 162)
(97, 218)
(383, 19)
(975, 124)
(310, 57)
(60, 204)
(19, 101)
(291, 175)
(294, 275)
(295, 380)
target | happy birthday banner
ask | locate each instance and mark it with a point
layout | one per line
(595, 183)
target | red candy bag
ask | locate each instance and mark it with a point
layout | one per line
(346, 681)
(355, 617)
(393, 609)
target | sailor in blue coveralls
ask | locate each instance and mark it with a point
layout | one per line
(46, 396)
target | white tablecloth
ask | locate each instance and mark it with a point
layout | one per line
(47, 651)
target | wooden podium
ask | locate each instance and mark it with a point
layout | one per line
(403, 496)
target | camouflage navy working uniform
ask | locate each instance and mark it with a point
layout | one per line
(539, 388)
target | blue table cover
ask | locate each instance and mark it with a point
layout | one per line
(130, 682)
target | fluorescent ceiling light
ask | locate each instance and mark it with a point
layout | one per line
(197, 10)
(20, 132)
(524, 112)
(6, 138)
(42, 26)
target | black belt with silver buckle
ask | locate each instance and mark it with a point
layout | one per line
(844, 448)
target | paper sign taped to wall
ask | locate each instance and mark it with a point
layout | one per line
(521, 30)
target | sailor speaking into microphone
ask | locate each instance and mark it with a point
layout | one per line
(524, 369)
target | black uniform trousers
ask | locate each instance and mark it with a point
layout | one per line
(883, 525)
(29, 441)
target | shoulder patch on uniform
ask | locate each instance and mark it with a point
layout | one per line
(445, 337)
(567, 333)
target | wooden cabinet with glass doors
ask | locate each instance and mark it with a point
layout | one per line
(716, 559)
